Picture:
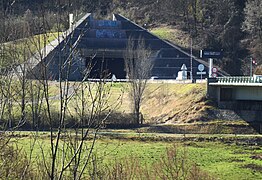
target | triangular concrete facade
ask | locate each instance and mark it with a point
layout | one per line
(105, 41)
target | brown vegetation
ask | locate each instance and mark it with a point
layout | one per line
(176, 103)
(258, 70)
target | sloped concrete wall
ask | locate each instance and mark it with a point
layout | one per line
(108, 36)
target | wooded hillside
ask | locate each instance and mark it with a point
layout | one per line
(232, 25)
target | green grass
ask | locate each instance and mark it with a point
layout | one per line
(172, 34)
(35, 42)
(222, 161)
(164, 32)
(226, 161)
(147, 152)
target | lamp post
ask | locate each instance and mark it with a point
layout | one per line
(252, 61)
(251, 64)
(191, 60)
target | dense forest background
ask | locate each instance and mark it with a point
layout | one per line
(232, 25)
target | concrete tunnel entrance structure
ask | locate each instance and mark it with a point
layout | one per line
(104, 43)
(109, 66)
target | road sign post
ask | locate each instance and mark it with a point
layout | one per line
(214, 72)
(201, 74)
(211, 54)
(201, 68)
(210, 67)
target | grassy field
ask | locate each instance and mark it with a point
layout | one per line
(221, 156)
(228, 160)
(172, 34)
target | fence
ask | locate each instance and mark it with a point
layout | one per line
(240, 79)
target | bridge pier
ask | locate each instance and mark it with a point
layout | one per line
(233, 89)
(241, 94)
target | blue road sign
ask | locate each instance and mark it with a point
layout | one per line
(205, 53)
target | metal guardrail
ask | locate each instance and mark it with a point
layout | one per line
(239, 79)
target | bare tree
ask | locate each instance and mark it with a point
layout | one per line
(69, 151)
(252, 23)
(138, 65)
(81, 105)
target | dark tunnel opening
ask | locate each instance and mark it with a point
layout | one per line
(108, 67)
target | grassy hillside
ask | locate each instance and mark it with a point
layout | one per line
(182, 105)
(175, 103)
(180, 108)
(172, 34)
(21, 50)
(164, 102)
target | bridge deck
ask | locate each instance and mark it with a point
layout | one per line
(238, 81)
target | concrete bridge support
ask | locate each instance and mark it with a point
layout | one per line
(245, 98)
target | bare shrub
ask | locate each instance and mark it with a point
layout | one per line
(258, 70)
(175, 164)
(14, 163)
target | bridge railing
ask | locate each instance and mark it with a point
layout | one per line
(239, 79)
